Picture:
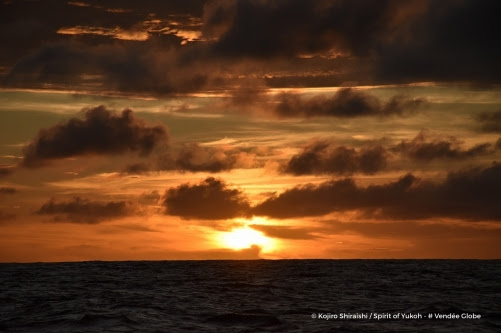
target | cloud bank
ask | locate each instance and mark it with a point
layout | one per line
(470, 195)
(345, 103)
(212, 45)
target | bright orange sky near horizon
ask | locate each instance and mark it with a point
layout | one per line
(187, 131)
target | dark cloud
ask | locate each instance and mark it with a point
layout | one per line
(131, 67)
(322, 157)
(101, 132)
(209, 200)
(310, 200)
(371, 41)
(427, 146)
(490, 121)
(470, 195)
(288, 28)
(451, 41)
(85, 211)
(149, 50)
(98, 48)
(284, 232)
(346, 103)
(7, 190)
(403, 40)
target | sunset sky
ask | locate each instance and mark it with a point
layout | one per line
(152, 130)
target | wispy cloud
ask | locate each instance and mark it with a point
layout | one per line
(117, 33)
(79, 210)
(427, 146)
(490, 121)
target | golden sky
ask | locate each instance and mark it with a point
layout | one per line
(247, 130)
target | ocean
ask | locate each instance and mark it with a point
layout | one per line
(252, 296)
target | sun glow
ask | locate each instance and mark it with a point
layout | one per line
(242, 238)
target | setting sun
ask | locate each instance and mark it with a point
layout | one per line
(243, 238)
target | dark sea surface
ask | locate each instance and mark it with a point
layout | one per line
(251, 296)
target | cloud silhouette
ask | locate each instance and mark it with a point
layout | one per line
(370, 42)
(470, 194)
(323, 157)
(211, 199)
(288, 28)
(100, 132)
(399, 41)
(345, 103)
(79, 210)
(427, 146)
